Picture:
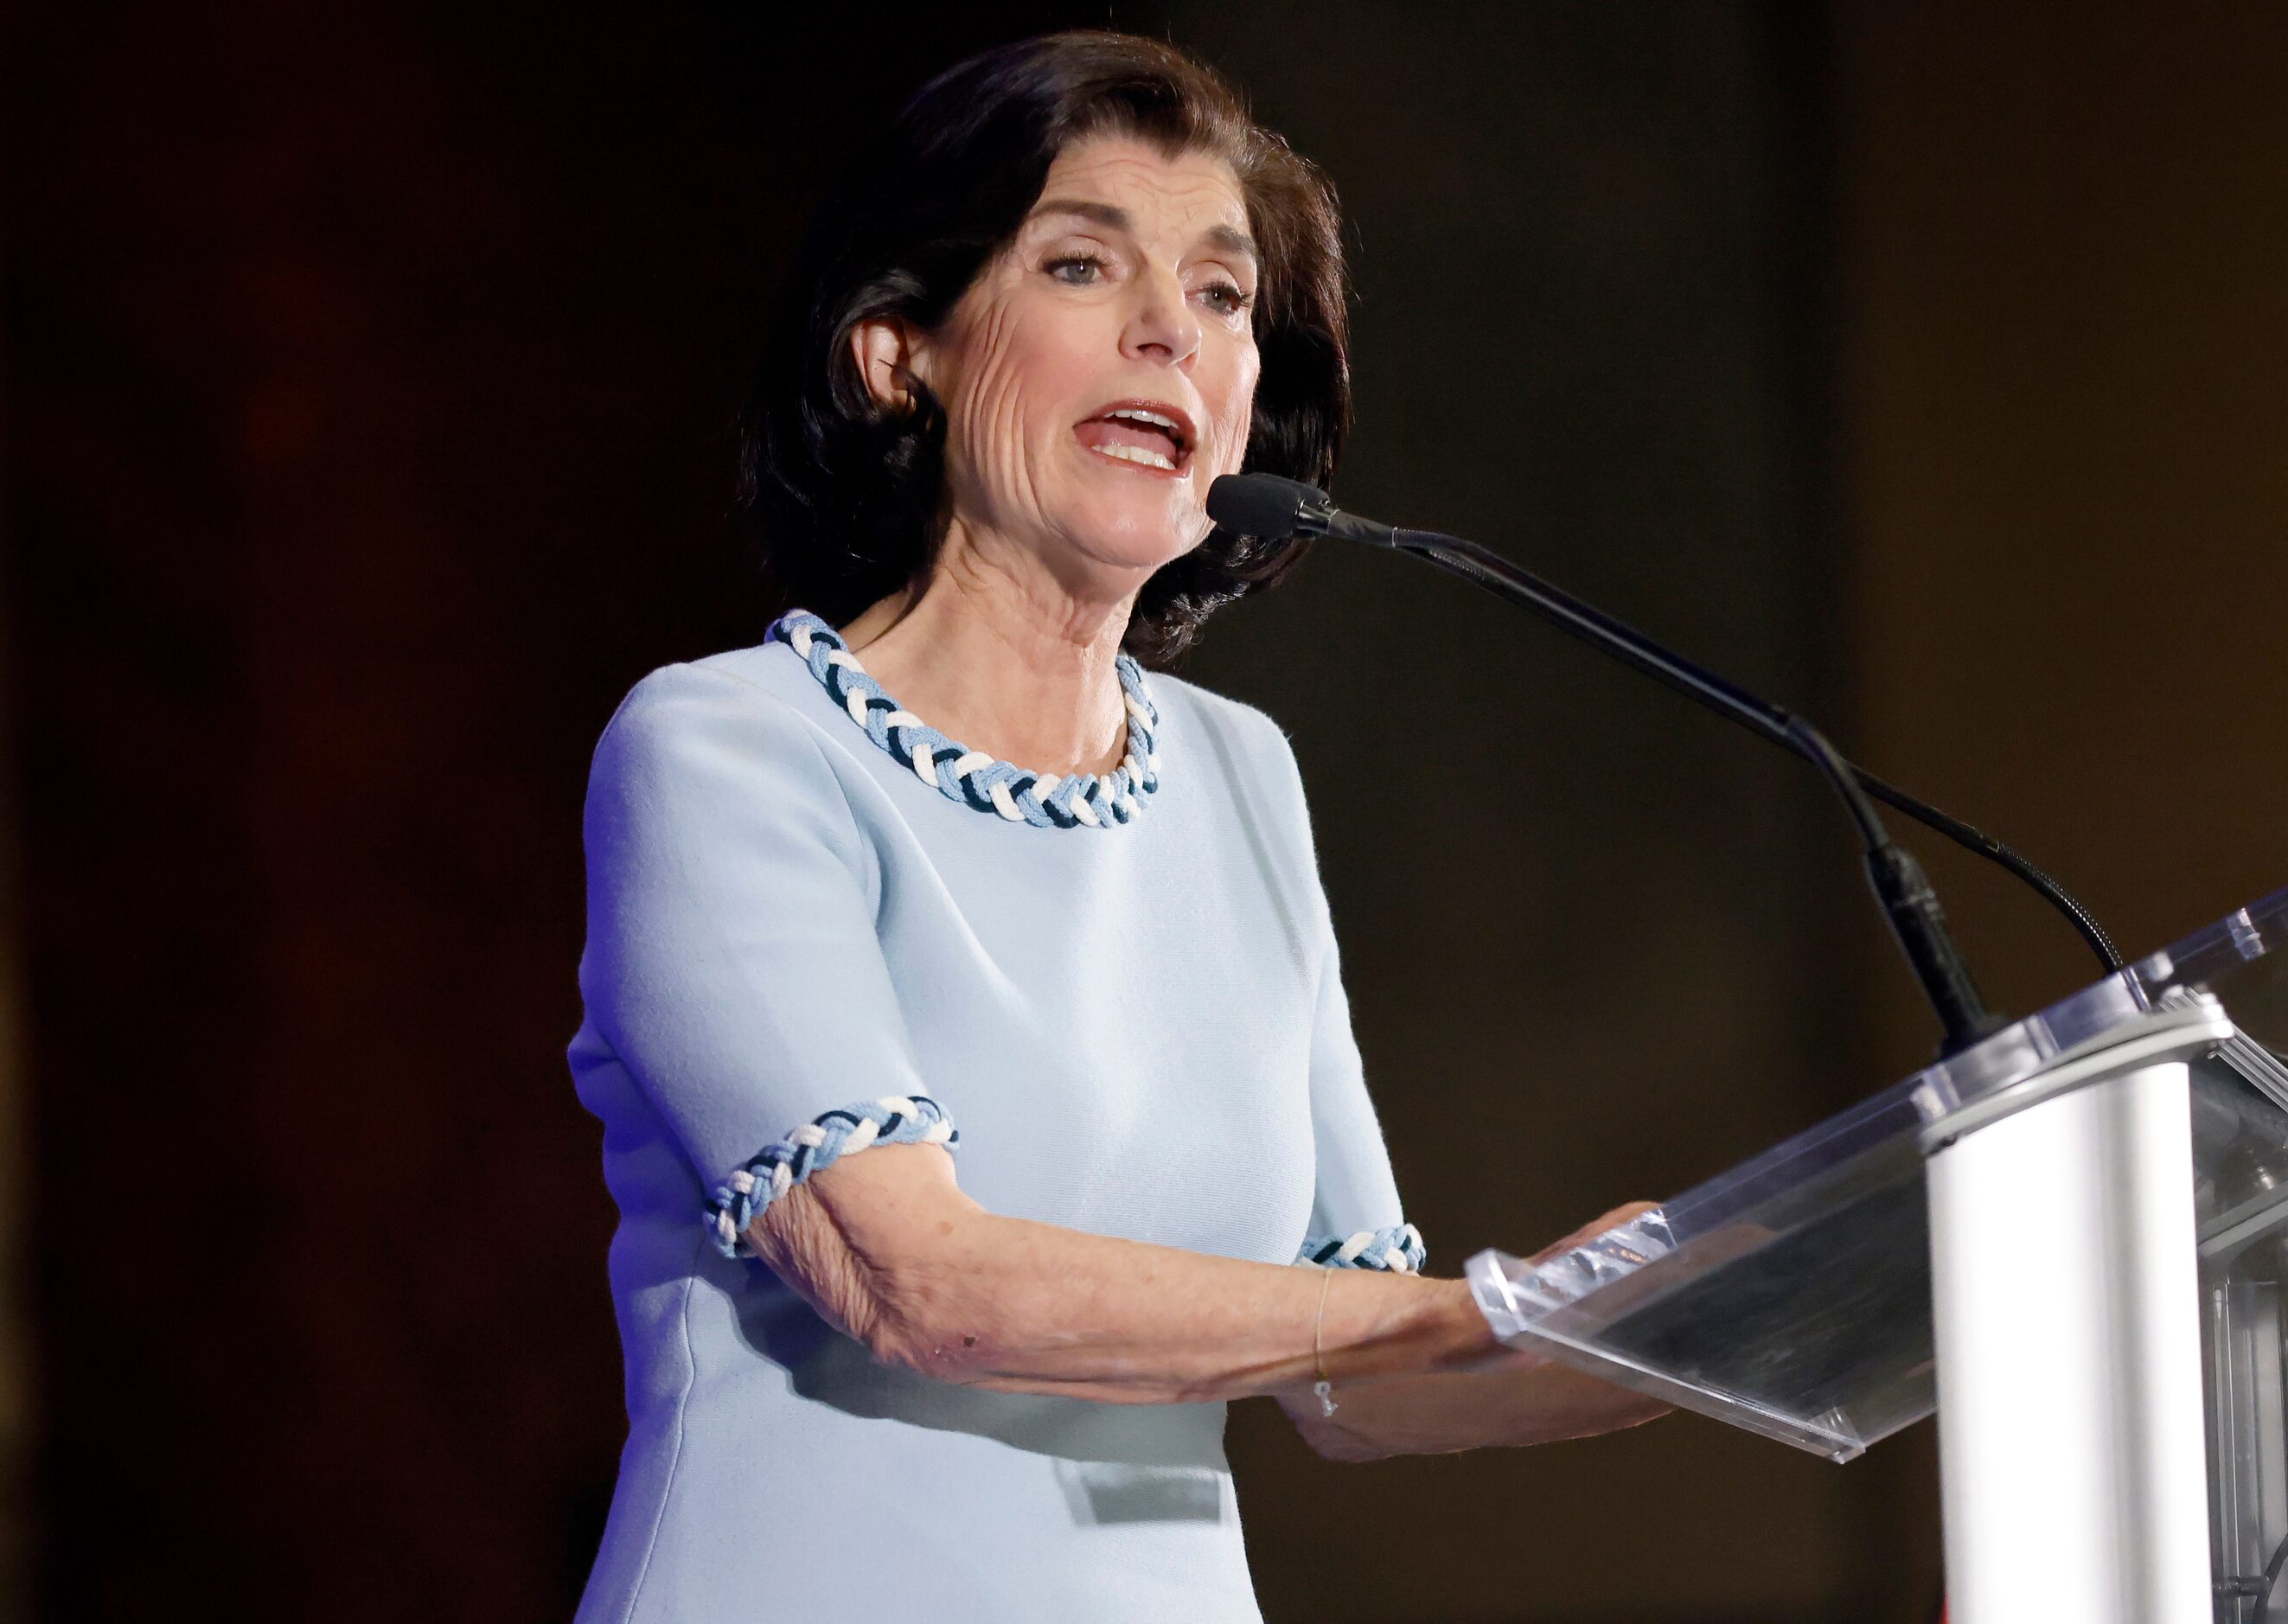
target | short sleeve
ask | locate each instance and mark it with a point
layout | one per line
(1356, 1216)
(732, 960)
(1356, 1220)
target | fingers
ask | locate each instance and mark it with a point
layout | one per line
(1589, 1231)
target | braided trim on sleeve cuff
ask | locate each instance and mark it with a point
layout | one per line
(819, 1143)
(1397, 1250)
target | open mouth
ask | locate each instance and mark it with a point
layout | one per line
(1150, 436)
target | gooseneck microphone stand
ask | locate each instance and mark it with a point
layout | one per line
(1269, 507)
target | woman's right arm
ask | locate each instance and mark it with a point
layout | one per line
(733, 964)
(889, 1250)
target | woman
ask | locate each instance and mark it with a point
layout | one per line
(1073, 286)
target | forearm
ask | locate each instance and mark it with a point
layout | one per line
(1115, 1320)
(1511, 1398)
(1521, 1399)
(1016, 1306)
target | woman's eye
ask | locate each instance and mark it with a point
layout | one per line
(1076, 270)
(1226, 297)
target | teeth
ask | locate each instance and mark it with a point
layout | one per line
(1142, 415)
(1136, 453)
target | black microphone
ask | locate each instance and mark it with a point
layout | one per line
(1270, 508)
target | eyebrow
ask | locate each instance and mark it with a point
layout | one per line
(1229, 239)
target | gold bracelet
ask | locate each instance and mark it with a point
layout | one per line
(1322, 1388)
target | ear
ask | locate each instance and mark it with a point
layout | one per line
(888, 353)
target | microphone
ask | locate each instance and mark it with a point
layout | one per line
(1271, 508)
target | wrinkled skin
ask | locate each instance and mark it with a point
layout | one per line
(1133, 279)
(1079, 313)
(1140, 293)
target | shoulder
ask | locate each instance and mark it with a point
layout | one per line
(1234, 741)
(725, 729)
(752, 685)
(1205, 710)
(747, 694)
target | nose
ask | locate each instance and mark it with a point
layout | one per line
(1162, 326)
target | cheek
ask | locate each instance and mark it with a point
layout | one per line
(1230, 399)
(988, 389)
(1021, 373)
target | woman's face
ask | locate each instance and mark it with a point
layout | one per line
(1100, 374)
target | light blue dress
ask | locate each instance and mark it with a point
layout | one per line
(1139, 1030)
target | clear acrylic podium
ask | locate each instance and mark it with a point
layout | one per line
(2070, 1242)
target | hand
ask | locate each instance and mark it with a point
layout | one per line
(1590, 1232)
(1512, 1396)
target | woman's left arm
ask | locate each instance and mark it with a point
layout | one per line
(1535, 1401)
(1512, 1398)
(1519, 1399)
(1522, 1399)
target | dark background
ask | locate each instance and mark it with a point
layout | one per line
(369, 374)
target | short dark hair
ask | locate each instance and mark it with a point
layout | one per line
(848, 492)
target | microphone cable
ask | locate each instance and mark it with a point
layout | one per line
(1270, 507)
(1453, 553)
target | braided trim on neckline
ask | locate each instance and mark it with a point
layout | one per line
(971, 776)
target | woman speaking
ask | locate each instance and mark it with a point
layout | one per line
(962, 1006)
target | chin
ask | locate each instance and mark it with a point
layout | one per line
(1138, 534)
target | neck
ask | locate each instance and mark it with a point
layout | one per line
(991, 648)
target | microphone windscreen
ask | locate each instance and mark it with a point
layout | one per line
(1263, 506)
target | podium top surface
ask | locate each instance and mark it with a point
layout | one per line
(1790, 1295)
